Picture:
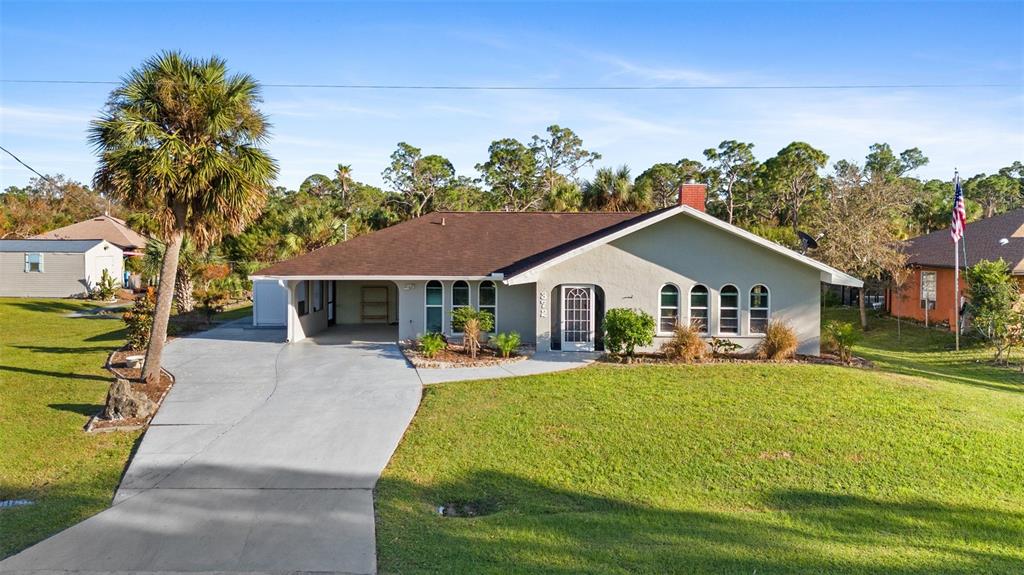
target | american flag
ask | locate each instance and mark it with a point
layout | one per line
(956, 227)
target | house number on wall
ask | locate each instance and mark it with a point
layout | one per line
(542, 303)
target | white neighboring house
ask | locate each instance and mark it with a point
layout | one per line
(56, 268)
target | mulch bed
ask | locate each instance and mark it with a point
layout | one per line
(118, 366)
(657, 358)
(454, 355)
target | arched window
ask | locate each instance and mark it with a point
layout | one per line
(488, 300)
(668, 308)
(460, 297)
(729, 310)
(759, 310)
(699, 308)
(434, 307)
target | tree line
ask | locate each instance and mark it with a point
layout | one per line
(785, 193)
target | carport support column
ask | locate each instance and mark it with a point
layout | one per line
(295, 332)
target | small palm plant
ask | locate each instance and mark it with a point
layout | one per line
(507, 342)
(472, 323)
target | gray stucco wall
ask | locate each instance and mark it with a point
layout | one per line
(515, 305)
(685, 252)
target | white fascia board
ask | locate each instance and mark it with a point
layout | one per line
(828, 273)
(373, 277)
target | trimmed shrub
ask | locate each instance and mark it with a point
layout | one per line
(686, 345)
(779, 342)
(840, 337)
(139, 320)
(507, 342)
(485, 320)
(431, 344)
(626, 329)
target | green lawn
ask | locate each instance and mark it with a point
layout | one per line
(916, 467)
(51, 381)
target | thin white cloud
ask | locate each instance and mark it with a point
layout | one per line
(656, 73)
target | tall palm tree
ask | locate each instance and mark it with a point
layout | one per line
(180, 138)
(612, 190)
(344, 176)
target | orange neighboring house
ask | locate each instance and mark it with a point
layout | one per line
(931, 262)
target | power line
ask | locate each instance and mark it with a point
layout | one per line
(33, 170)
(582, 88)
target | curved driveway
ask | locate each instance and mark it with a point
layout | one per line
(262, 458)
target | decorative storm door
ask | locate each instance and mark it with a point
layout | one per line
(577, 318)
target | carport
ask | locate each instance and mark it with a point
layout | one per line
(365, 308)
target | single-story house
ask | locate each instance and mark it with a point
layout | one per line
(56, 268)
(552, 276)
(105, 227)
(930, 286)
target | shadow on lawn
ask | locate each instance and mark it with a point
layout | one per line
(57, 374)
(537, 529)
(63, 350)
(88, 409)
(49, 305)
(542, 530)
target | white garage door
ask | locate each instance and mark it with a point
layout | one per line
(269, 303)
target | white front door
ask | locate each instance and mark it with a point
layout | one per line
(577, 318)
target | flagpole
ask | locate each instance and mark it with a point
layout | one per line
(956, 273)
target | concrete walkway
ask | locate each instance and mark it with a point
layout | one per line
(262, 460)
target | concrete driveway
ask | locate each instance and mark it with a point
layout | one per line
(262, 459)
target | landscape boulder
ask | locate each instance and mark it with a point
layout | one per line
(123, 402)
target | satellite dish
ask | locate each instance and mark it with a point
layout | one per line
(807, 242)
(1004, 241)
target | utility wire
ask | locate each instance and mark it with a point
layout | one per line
(578, 88)
(33, 170)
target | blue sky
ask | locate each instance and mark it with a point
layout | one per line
(975, 129)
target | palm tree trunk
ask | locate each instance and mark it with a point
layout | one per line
(162, 314)
(863, 311)
(183, 291)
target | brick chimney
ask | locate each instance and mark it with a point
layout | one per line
(693, 195)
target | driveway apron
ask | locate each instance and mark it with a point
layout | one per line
(262, 459)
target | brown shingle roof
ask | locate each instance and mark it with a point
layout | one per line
(103, 227)
(982, 239)
(458, 244)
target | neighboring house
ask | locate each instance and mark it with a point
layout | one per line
(56, 268)
(109, 228)
(552, 276)
(931, 261)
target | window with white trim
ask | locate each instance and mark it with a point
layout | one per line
(928, 289)
(434, 307)
(302, 297)
(668, 308)
(729, 310)
(34, 263)
(699, 308)
(759, 310)
(487, 299)
(318, 296)
(460, 298)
